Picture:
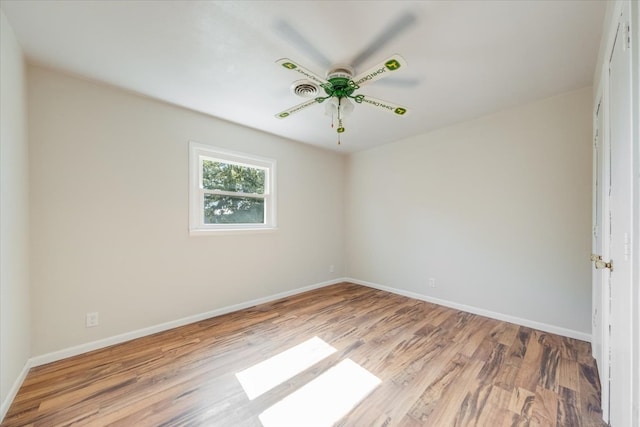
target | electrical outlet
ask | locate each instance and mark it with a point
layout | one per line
(331, 268)
(432, 282)
(91, 320)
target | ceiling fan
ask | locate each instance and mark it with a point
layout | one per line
(340, 86)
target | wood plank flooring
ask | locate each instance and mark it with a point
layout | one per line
(437, 366)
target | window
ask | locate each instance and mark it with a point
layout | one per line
(230, 191)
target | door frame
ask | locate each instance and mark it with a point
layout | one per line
(601, 228)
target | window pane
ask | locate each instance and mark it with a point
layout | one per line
(230, 177)
(233, 210)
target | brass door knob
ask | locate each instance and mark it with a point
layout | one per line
(600, 263)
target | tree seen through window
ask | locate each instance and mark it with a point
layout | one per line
(237, 193)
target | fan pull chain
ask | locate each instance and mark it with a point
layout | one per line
(340, 125)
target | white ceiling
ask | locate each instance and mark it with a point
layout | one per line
(465, 58)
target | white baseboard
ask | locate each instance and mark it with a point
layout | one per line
(128, 336)
(14, 389)
(117, 339)
(480, 311)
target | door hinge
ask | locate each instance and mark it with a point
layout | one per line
(627, 36)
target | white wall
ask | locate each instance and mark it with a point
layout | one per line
(109, 204)
(497, 210)
(14, 217)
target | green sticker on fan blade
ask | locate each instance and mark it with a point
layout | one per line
(400, 110)
(289, 65)
(392, 65)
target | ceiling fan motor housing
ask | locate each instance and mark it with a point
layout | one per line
(339, 76)
(340, 71)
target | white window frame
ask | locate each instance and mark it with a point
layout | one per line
(200, 152)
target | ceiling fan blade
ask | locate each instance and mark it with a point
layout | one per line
(294, 37)
(389, 107)
(402, 23)
(390, 65)
(293, 66)
(297, 108)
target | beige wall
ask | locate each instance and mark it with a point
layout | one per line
(109, 223)
(497, 210)
(14, 216)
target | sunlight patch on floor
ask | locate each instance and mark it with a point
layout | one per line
(325, 400)
(266, 375)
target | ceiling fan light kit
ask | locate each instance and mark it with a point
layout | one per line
(339, 87)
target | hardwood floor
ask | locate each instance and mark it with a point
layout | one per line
(437, 367)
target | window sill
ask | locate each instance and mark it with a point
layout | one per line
(227, 231)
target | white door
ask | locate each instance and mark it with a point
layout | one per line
(600, 247)
(620, 129)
